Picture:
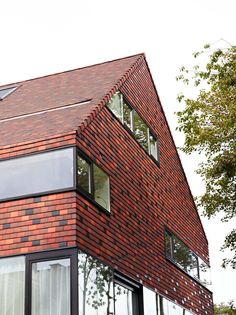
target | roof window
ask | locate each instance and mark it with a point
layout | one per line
(5, 92)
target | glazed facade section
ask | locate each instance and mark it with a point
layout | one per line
(46, 284)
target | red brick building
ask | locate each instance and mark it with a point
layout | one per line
(96, 215)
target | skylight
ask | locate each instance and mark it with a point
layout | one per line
(5, 92)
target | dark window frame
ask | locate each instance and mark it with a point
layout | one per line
(131, 130)
(90, 196)
(136, 288)
(172, 260)
(72, 254)
(48, 192)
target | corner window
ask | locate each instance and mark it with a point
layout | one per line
(93, 181)
(187, 260)
(12, 285)
(132, 120)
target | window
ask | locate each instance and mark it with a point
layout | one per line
(167, 307)
(187, 260)
(37, 173)
(149, 302)
(93, 181)
(12, 285)
(95, 286)
(127, 297)
(131, 119)
(51, 287)
(5, 92)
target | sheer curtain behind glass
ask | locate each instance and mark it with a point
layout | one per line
(12, 286)
(51, 287)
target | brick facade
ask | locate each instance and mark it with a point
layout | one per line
(145, 198)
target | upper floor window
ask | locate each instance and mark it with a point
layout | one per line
(36, 173)
(187, 260)
(132, 120)
(93, 181)
(54, 171)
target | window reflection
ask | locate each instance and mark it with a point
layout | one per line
(12, 286)
(101, 188)
(95, 287)
(83, 174)
(169, 308)
(51, 287)
(141, 131)
(123, 300)
(36, 173)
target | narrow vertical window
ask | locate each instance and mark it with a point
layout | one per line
(51, 287)
(95, 286)
(149, 302)
(12, 286)
(101, 187)
(127, 115)
(115, 105)
(140, 131)
(83, 174)
(153, 146)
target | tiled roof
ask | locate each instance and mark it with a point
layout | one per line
(46, 106)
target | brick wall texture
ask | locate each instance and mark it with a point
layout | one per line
(145, 198)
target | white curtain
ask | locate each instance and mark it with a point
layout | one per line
(51, 287)
(12, 286)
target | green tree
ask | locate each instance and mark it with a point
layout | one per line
(208, 122)
(225, 309)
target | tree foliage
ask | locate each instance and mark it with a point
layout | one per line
(208, 122)
(225, 309)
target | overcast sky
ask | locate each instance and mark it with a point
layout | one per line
(48, 36)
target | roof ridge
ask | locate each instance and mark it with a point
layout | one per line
(112, 90)
(71, 70)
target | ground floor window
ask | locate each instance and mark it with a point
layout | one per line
(71, 282)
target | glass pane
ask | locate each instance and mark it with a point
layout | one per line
(170, 308)
(95, 287)
(126, 115)
(140, 131)
(101, 187)
(115, 105)
(182, 254)
(51, 287)
(204, 272)
(37, 173)
(192, 266)
(168, 245)
(123, 300)
(153, 146)
(149, 302)
(83, 174)
(12, 286)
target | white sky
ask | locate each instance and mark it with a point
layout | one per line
(47, 36)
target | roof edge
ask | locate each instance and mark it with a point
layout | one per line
(66, 71)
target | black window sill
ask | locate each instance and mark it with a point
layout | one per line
(186, 273)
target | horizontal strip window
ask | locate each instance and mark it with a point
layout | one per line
(155, 304)
(131, 119)
(93, 181)
(187, 260)
(37, 174)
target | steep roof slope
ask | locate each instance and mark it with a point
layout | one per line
(59, 103)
